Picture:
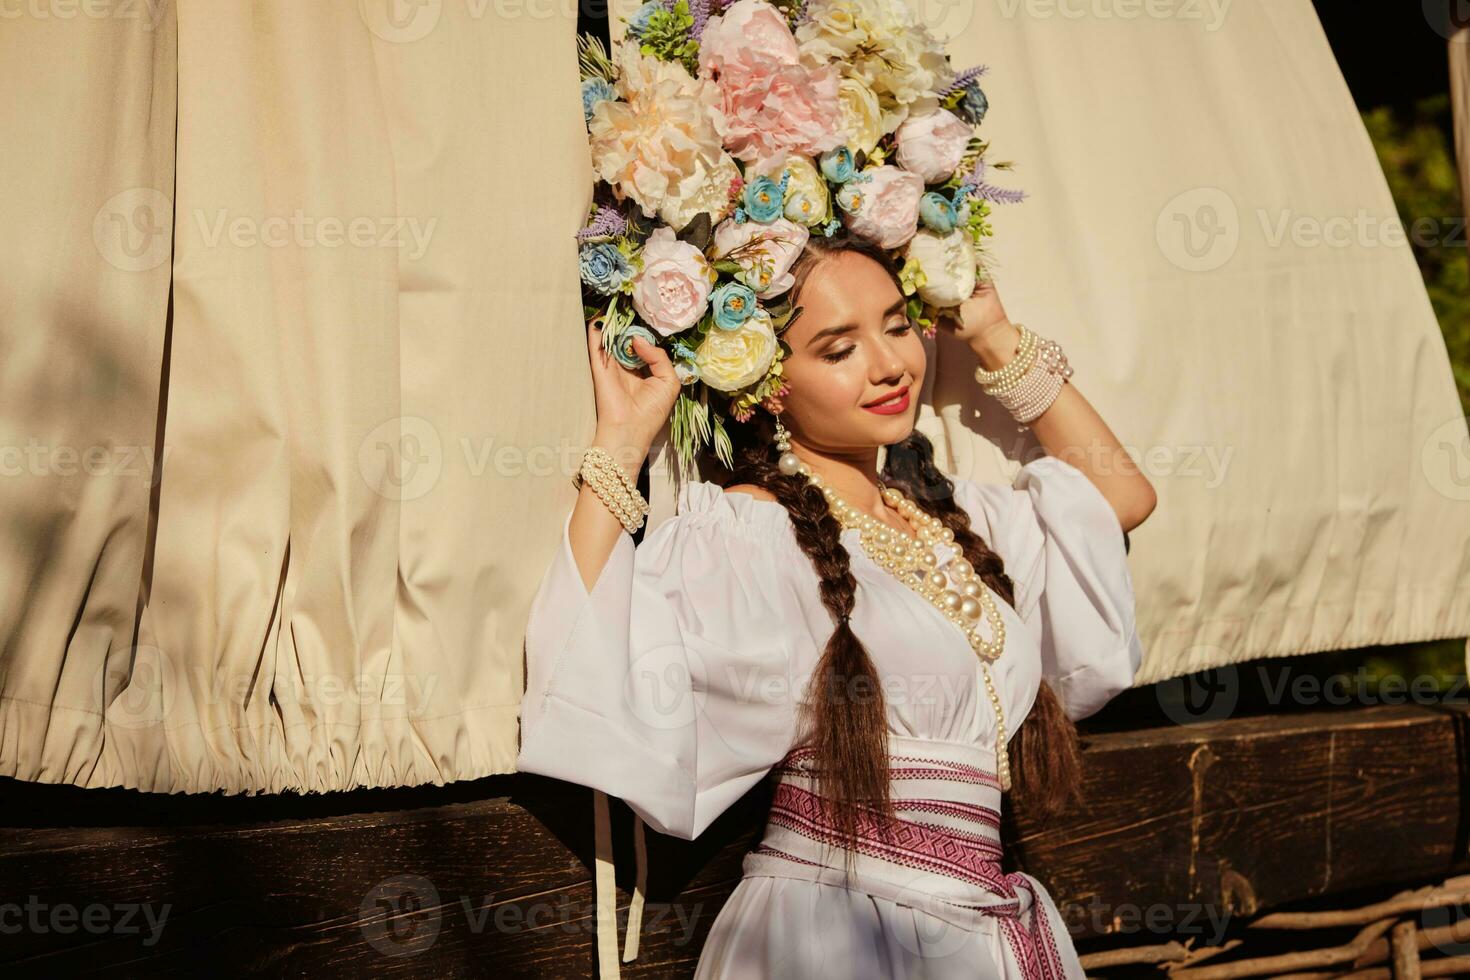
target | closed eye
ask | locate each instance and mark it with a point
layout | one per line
(898, 330)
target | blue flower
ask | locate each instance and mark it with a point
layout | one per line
(937, 212)
(595, 90)
(850, 196)
(973, 104)
(733, 302)
(638, 23)
(623, 347)
(837, 165)
(763, 199)
(604, 267)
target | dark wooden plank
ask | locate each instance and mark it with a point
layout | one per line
(1214, 822)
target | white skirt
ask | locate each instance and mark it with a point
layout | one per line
(926, 902)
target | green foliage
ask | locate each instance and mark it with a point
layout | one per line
(667, 37)
(592, 59)
(1418, 158)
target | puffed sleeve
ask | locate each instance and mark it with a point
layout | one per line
(1064, 549)
(668, 685)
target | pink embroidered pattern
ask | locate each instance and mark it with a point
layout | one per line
(971, 855)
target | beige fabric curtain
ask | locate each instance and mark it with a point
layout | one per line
(356, 390)
(291, 389)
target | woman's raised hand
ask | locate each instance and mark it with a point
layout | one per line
(632, 405)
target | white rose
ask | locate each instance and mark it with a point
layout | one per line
(948, 263)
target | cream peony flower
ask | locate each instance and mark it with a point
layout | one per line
(729, 360)
(808, 202)
(705, 191)
(662, 143)
(881, 44)
(948, 263)
(862, 120)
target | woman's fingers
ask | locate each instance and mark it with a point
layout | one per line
(656, 358)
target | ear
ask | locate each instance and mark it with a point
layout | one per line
(773, 404)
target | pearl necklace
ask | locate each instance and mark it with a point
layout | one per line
(959, 594)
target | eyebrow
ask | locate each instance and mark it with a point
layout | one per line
(898, 304)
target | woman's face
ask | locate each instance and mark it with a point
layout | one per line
(851, 347)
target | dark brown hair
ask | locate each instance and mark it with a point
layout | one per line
(846, 723)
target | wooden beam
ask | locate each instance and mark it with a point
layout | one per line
(1185, 821)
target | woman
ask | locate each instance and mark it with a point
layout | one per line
(762, 630)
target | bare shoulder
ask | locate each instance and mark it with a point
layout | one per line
(759, 493)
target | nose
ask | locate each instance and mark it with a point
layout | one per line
(888, 365)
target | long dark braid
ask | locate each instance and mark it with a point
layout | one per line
(845, 720)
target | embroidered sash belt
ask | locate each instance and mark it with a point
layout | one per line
(942, 858)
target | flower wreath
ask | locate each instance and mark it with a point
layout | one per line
(721, 141)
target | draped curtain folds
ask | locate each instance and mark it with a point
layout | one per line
(294, 365)
(317, 259)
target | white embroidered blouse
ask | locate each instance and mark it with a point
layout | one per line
(674, 683)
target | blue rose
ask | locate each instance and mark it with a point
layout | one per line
(604, 267)
(937, 213)
(638, 23)
(595, 90)
(837, 165)
(763, 200)
(733, 303)
(623, 347)
(973, 104)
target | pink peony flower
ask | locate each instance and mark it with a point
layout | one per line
(886, 208)
(932, 144)
(772, 103)
(672, 291)
(751, 26)
(766, 252)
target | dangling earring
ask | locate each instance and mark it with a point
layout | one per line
(789, 462)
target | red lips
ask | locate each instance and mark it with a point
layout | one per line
(890, 404)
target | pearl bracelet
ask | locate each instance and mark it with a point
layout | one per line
(1031, 380)
(611, 484)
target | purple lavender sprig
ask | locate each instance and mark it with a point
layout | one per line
(1000, 195)
(606, 221)
(964, 78)
(700, 11)
(975, 183)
